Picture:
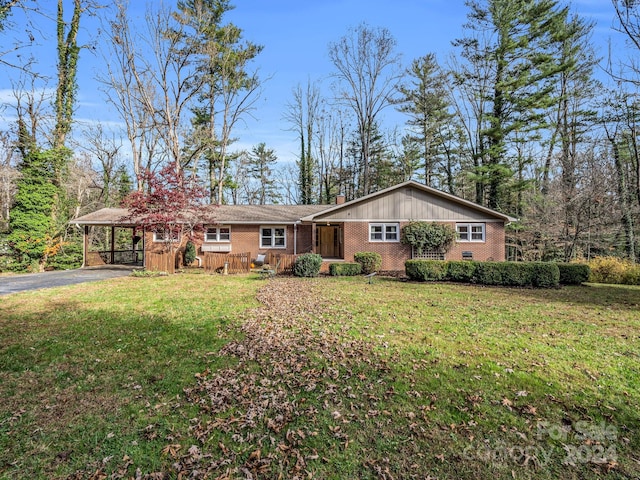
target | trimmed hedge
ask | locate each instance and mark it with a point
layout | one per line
(345, 269)
(370, 261)
(573, 273)
(307, 265)
(426, 270)
(461, 271)
(512, 274)
(544, 274)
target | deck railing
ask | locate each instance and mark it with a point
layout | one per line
(120, 257)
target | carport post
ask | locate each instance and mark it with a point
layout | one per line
(113, 241)
(85, 247)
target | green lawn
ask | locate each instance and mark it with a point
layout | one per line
(319, 378)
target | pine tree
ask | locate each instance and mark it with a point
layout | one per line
(511, 57)
(424, 99)
(260, 168)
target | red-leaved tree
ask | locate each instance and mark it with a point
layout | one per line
(171, 206)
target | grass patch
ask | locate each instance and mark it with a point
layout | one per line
(329, 378)
(95, 372)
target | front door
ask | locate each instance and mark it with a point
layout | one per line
(330, 241)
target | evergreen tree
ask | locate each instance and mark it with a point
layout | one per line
(424, 99)
(228, 89)
(260, 168)
(510, 52)
(33, 234)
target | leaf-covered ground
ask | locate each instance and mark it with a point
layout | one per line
(294, 399)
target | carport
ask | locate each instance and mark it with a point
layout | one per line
(117, 244)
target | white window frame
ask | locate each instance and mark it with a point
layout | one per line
(273, 236)
(158, 237)
(215, 236)
(384, 233)
(469, 234)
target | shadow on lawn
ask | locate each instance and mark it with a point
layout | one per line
(620, 297)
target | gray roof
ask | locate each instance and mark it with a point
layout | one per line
(227, 214)
(104, 216)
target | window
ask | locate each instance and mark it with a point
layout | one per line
(470, 232)
(384, 232)
(160, 236)
(218, 234)
(273, 237)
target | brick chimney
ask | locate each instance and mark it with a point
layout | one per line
(340, 199)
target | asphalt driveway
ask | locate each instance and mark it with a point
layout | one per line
(37, 281)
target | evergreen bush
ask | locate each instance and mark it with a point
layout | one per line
(461, 271)
(426, 270)
(345, 269)
(573, 273)
(488, 273)
(370, 261)
(544, 274)
(69, 257)
(189, 253)
(510, 274)
(307, 265)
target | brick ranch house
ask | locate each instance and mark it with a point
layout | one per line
(372, 223)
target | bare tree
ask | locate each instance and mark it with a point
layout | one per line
(9, 174)
(368, 72)
(330, 146)
(107, 151)
(152, 85)
(302, 114)
(628, 16)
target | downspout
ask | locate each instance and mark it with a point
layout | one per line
(295, 237)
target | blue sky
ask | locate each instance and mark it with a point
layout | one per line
(295, 35)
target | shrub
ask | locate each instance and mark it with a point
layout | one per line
(370, 261)
(488, 273)
(518, 274)
(189, 253)
(573, 273)
(509, 274)
(69, 256)
(307, 265)
(426, 270)
(425, 236)
(345, 269)
(632, 275)
(544, 274)
(461, 271)
(607, 269)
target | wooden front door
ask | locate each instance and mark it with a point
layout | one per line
(330, 241)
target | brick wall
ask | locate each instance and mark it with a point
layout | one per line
(356, 239)
(246, 238)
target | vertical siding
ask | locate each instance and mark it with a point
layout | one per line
(406, 204)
